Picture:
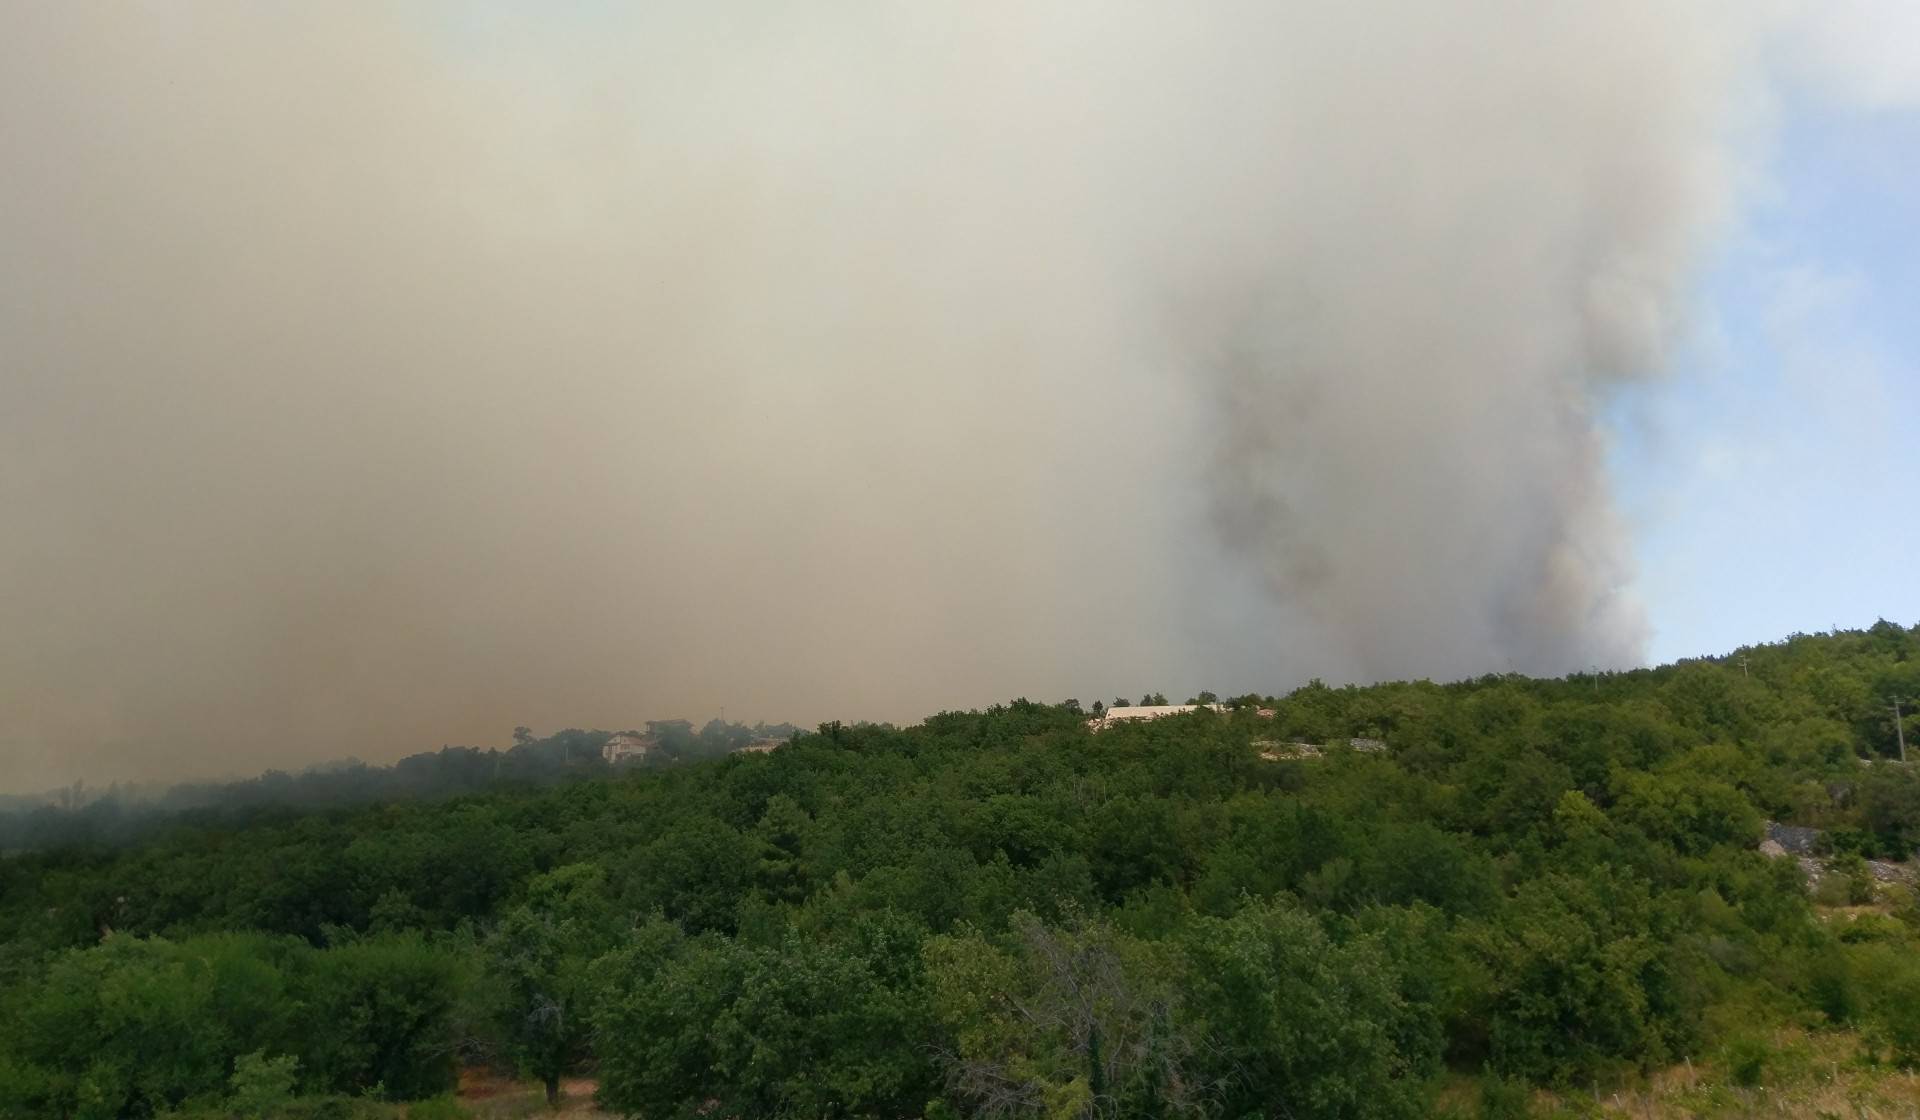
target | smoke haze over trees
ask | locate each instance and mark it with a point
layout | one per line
(375, 377)
(79, 815)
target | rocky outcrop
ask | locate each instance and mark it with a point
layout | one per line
(1804, 844)
(1793, 839)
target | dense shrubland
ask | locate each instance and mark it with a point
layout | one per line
(998, 913)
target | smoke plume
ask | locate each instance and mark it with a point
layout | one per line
(373, 377)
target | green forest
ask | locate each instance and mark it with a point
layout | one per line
(1489, 898)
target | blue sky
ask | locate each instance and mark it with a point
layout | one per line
(1772, 476)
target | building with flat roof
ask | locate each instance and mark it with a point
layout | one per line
(1146, 711)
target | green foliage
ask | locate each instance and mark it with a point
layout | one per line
(1747, 1058)
(1890, 808)
(1304, 1026)
(1888, 975)
(1693, 814)
(388, 1004)
(1847, 881)
(136, 1026)
(1504, 1098)
(535, 965)
(1003, 913)
(1062, 1023)
(807, 1027)
(655, 997)
(262, 1085)
(1583, 978)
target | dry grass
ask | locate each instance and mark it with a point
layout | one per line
(1808, 1075)
(1812, 1075)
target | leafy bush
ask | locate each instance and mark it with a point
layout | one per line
(1503, 1098)
(262, 1085)
(1847, 881)
(1747, 1058)
(1890, 978)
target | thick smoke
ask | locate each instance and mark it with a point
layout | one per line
(369, 382)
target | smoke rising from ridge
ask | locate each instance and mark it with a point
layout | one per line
(370, 382)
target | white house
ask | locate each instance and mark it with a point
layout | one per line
(626, 745)
(1146, 711)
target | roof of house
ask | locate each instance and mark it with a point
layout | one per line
(1147, 711)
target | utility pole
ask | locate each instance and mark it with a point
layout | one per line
(1899, 732)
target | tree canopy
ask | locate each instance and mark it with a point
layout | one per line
(1006, 913)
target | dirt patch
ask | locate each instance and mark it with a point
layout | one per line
(483, 1084)
(576, 1096)
(489, 1095)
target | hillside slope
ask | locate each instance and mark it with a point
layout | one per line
(1551, 884)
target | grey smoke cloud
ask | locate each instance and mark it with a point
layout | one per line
(373, 378)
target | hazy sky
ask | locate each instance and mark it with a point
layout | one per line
(374, 377)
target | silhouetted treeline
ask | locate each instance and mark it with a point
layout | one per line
(115, 815)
